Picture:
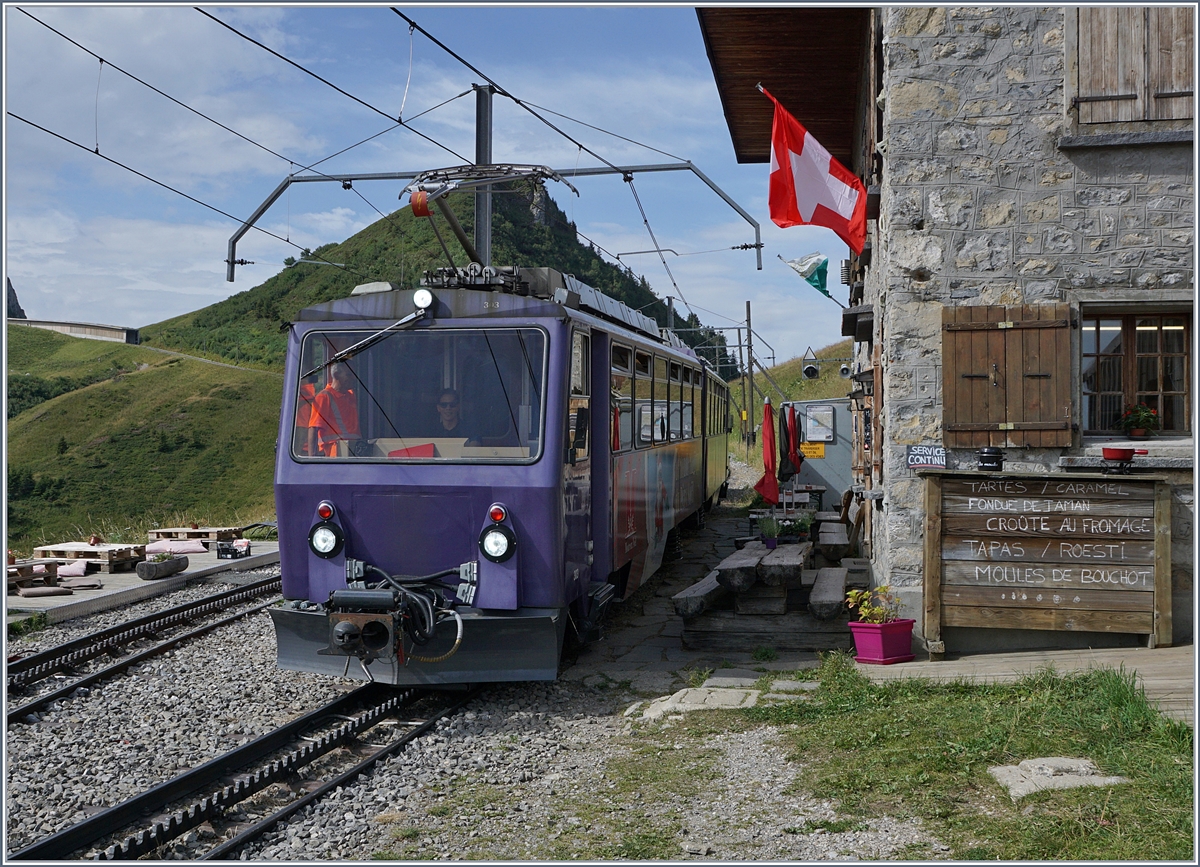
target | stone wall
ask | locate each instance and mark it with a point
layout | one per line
(980, 205)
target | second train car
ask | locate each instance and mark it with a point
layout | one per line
(468, 470)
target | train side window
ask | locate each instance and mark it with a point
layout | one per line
(621, 398)
(643, 396)
(689, 403)
(675, 402)
(660, 399)
(578, 407)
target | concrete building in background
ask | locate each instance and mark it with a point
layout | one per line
(1029, 274)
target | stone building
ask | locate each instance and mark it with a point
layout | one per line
(1030, 269)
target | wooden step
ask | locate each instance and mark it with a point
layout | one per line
(828, 597)
(762, 599)
(739, 570)
(726, 631)
(699, 597)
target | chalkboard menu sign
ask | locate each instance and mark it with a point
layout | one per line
(1086, 553)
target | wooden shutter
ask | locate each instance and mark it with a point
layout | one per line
(1006, 376)
(1112, 63)
(1171, 34)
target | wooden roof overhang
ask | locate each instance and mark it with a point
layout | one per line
(810, 59)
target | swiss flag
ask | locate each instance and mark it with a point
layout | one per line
(809, 187)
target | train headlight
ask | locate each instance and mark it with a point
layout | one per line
(497, 543)
(326, 539)
(422, 298)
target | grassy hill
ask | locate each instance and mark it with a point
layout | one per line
(789, 377)
(245, 328)
(150, 438)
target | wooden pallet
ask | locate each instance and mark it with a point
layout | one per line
(204, 534)
(23, 574)
(104, 558)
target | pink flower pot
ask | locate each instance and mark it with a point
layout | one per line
(883, 643)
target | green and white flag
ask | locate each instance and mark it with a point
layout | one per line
(814, 268)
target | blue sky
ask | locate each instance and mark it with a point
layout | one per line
(87, 241)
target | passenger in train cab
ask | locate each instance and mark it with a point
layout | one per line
(335, 411)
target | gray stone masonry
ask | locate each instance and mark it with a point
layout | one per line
(981, 205)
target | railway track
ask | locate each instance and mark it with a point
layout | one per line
(152, 819)
(28, 671)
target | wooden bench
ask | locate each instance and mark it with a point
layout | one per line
(828, 597)
(739, 570)
(833, 542)
(701, 596)
(786, 561)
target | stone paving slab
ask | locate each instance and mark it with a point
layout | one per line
(1054, 772)
(700, 698)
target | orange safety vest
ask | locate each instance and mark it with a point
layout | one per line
(335, 416)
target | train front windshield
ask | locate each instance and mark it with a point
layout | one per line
(422, 395)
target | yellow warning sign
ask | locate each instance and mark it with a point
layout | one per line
(812, 450)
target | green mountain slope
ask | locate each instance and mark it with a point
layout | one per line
(245, 328)
(158, 439)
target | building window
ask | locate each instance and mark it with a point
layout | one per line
(1128, 359)
(1135, 64)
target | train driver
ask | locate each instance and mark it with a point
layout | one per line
(335, 411)
(450, 422)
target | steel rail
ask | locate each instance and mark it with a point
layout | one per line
(19, 713)
(228, 849)
(59, 846)
(38, 666)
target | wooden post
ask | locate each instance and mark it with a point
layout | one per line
(1162, 566)
(933, 568)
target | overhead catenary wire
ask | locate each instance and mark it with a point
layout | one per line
(292, 163)
(605, 131)
(166, 186)
(528, 107)
(325, 81)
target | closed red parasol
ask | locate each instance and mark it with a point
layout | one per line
(768, 485)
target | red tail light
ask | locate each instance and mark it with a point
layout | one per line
(497, 513)
(325, 510)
